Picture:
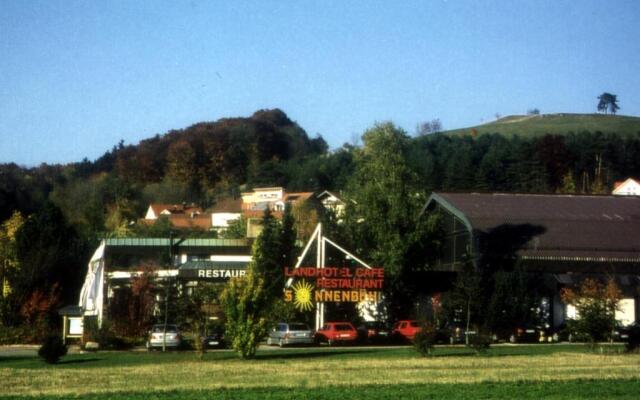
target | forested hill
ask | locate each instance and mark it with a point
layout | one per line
(208, 161)
(199, 163)
(554, 124)
(230, 150)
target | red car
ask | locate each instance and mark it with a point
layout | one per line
(334, 332)
(406, 329)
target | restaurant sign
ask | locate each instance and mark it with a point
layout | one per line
(333, 284)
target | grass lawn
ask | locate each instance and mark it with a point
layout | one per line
(557, 124)
(528, 372)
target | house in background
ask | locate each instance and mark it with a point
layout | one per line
(225, 211)
(156, 210)
(332, 202)
(630, 187)
(565, 237)
(254, 204)
(181, 216)
(251, 206)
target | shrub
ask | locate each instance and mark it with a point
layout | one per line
(15, 335)
(596, 304)
(479, 341)
(243, 301)
(425, 340)
(52, 349)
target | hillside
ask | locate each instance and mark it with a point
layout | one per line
(557, 124)
(230, 150)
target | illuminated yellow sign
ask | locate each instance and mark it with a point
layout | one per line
(333, 284)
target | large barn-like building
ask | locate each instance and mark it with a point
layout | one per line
(566, 236)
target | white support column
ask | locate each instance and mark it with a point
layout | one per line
(323, 262)
(319, 306)
(316, 232)
(347, 253)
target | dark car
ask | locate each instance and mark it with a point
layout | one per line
(373, 332)
(214, 338)
(450, 335)
(529, 334)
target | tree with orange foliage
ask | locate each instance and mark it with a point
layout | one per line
(596, 304)
(143, 301)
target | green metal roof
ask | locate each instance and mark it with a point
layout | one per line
(206, 264)
(164, 242)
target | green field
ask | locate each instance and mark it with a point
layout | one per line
(558, 124)
(530, 372)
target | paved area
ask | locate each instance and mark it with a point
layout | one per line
(27, 350)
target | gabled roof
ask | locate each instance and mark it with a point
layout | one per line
(327, 193)
(158, 208)
(295, 197)
(186, 221)
(621, 186)
(560, 227)
(227, 205)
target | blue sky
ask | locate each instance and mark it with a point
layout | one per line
(78, 76)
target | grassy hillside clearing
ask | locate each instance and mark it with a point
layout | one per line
(533, 371)
(557, 124)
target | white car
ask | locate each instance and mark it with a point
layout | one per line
(156, 338)
(290, 333)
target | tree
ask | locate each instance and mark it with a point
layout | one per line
(467, 295)
(142, 301)
(429, 127)
(608, 102)
(513, 301)
(245, 304)
(47, 251)
(595, 304)
(267, 256)
(8, 256)
(382, 217)
(250, 302)
(237, 229)
(568, 184)
(288, 236)
(196, 307)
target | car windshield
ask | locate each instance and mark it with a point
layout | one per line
(160, 329)
(298, 327)
(343, 327)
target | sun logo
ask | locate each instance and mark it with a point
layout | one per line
(302, 296)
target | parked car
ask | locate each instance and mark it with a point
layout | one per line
(157, 338)
(450, 335)
(373, 332)
(529, 334)
(286, 333)
(214, 338)
(406, 330)
(336, 332)
(621, 332)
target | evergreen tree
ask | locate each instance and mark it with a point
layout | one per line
(288, 235)
(267, 255)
